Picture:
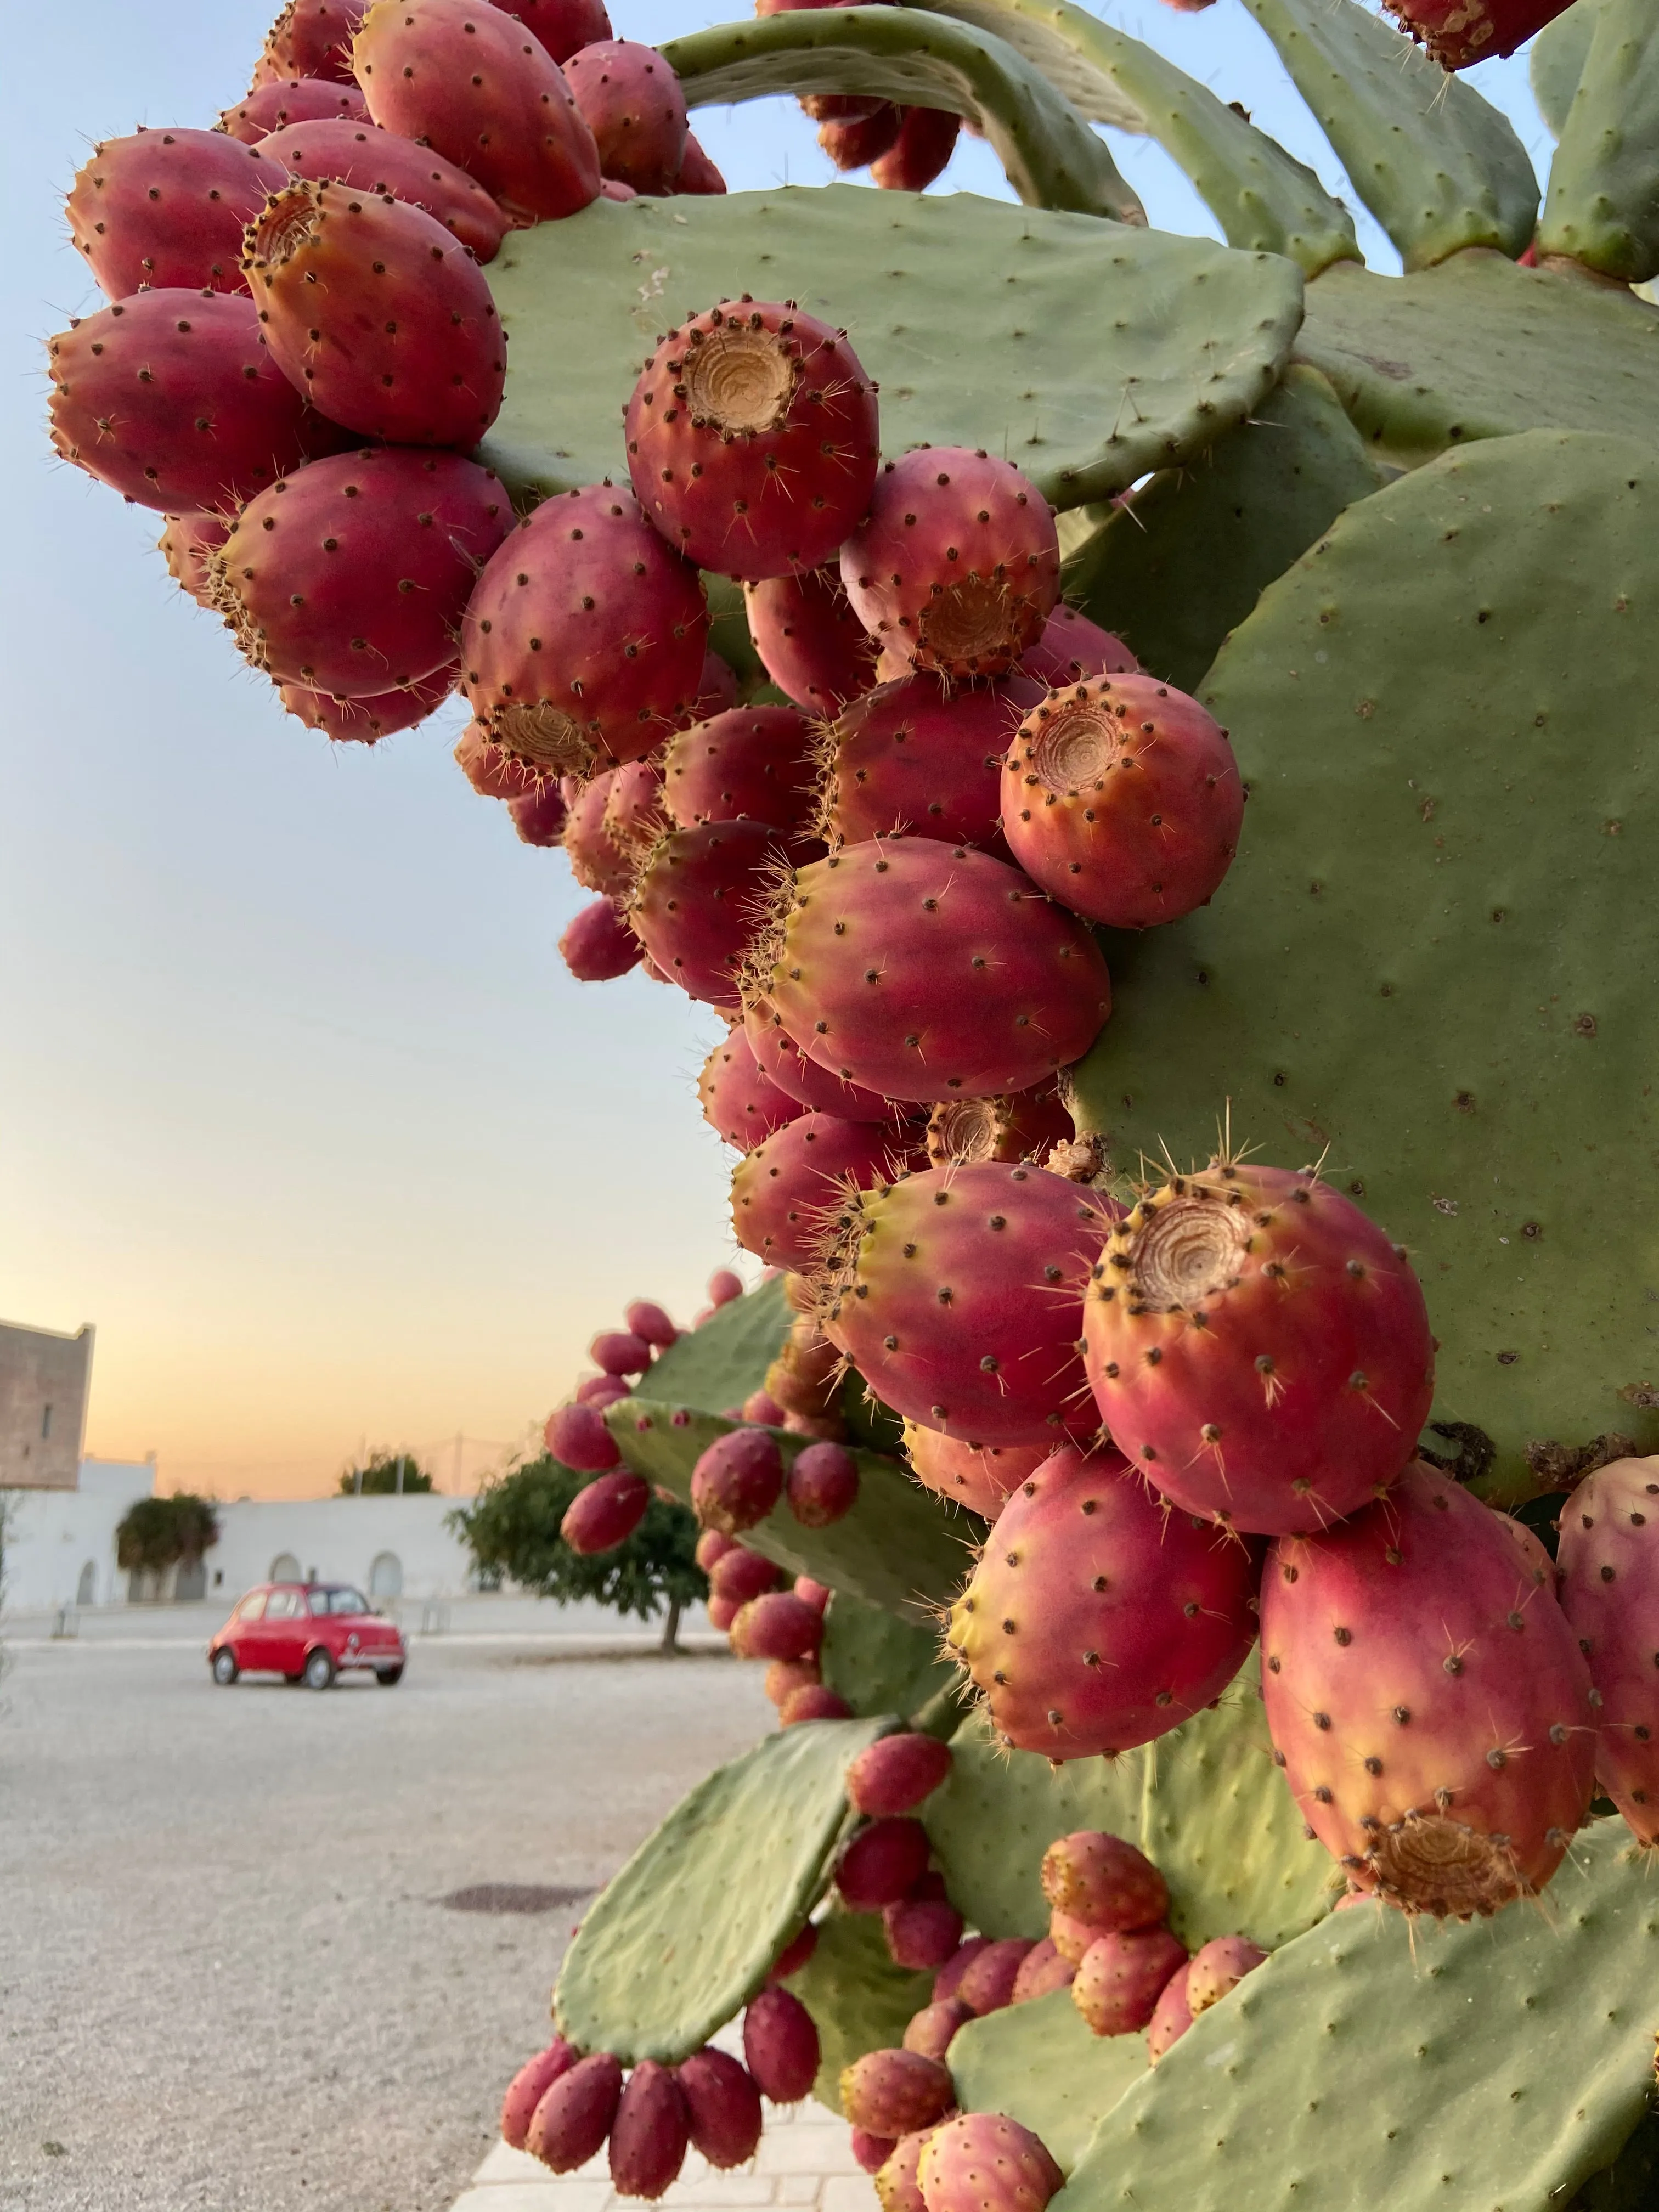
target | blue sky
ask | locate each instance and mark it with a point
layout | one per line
(298, 1103)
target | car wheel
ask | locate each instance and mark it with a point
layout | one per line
(386, 1676)
(319, 1670)
(225, 1669)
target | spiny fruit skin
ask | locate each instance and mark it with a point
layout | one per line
(650, 2133)
(597, 944)
(375, 161)
(186, 545)
(603, 1390)
(723, 2106)
(1427, 1700)
(1610, 1561)
(351, 575)
(573, 2119)
(1458, 32)
(1096, 1619)
(788, 1186)
(921, 755)
(1103, 1881)
(957, 562)
(810, 644)
(1071, 1936)
(871, 2152)
(1122, 798)
(585, 636)
(817, 1089)
(921, 152)
(892, 2093)
(1172, 2016)
(646, 1319)
(882, 1864)
(375, 312)
(954, 1293)
(986, 2162)
(752, 439)
(784, 1676)
(310, 38)
(273, 106)
(1045, 1969)
(921, 1933)
(698, 173)
(1023, 1126)
(931, 2029)
(577, 1436)
(631, 101)
(749, 763)
(948, 1979)
(537, 817)
(562, 25)
(814, 1702)
(780, 2045)
(170, 398)
(605, 1513)
(488, 769)
(741, 1105)
(737, 1480)
(364, 721)
(1072, 649)
(1258, 1348)
(738, 1572)
(165, 209)
(1123, 1977)
(597, 861)
(929, 971)
(531, 2084)
(823, 1486)
(897, 2189)
(896, 1773)
(779, 1626)
(693, 902)
(976, 1475)
(1217, 1967)
(633, 817)
(988, 1985)
(473, 84)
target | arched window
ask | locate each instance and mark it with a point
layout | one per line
(86, 1591)
(190, 1583)
(385, 1576)
(285, 1568)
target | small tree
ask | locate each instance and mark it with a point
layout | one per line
(383, 1473)
(155, 1534)
(513, 1529)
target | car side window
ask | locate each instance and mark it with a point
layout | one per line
(347, 1601)
(319, 1600)
(283, 1605)
(251, 1607)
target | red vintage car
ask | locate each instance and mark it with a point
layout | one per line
(309, 1631)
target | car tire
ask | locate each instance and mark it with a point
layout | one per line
(389, 1677)
(225, 1669)
(319, 1670)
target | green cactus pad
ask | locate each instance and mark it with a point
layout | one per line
(898, 1548)
(859, 2001)
(720, 1363)
(1085, 352)
(1174, 574)
(1556, 62)
(880, 1663)
(1043, 2065)
(1053, 160)
(1631, 2183)
(1480, 349)
(686, 1932)
(1432, 963)
(1603, 204)
(1263, 198)
(1437, 166)
(1369, 2063)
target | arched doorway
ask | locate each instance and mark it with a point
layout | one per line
(86, 1591)
(285, 1568)
(385, 1576)
(189, 1583)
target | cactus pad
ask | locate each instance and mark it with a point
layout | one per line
(684, 1935)
(859, 2001)
(1604, 203)
(1043, 2065)
(1556, 61)
(880, 1663)
(1085, 352)
(718, 1365)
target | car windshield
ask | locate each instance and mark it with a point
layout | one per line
(252, 1607)
(339, 1600)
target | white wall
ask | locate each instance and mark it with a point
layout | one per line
(52, 1536)
(339, 1539)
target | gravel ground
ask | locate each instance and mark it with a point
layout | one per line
(226, 1978)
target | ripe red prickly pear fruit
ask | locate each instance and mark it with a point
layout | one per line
(490, 771)
(858, 141)
(165, 209)
(1218, 1966)
(722, 1612)
(973, 615)
(723, 1285)
(649, 1320)
(923, 1932)
(978, 1476)
(986, 2162)
(1021, 1126)
(988, 1983)
(577, 1436)
(815, 1593)
(921, 152)
(1610, 1595)
(310, 38)
(186, 545)
(723, 2107)
(603, 1390)
(984, 1309)
(281, 101)
(897, 2186)
(530, 2085)
(363, 721)
(562, 25)
(1172, 2016)
(538, 816)
(1103, 1881)
(1458, 34)
(981, 986)
(1128, 1618)
(751, 764)
(780, 2045)
(882, 1864)
(1071, 649)
(350, 575)
(752, 439)
(1123, 1977)
(894, 1774)
(1122, 798)
(776, 1626)
(595, 655)
(892, 2093)
(784, 1676)
(741, 1105)
(375, 312)
(1427, 1700)
(823, 1485)
(1259, 1348)
(814, 1702)
(785, 1191)
(948, 1979)
(631, 100)
(712, 1547)
(170, 398)
(1045, 1969)
(697, 172)
(763, 1409)
(573, 2119)
(633, 818)
(375, 161)
(931, 2029)
(597, 946)
(619, 1352)
(740, 1573)
(1071, 1935)
(818, 1089)
(919, 756)
(650, 2135)
(810, 644)
(871, 2152)
(794, 1954)
(605, 1512)
(484, 93)
(597, 861)
(737, 1480)
(693, 904)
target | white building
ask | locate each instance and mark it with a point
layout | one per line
(59, 1545)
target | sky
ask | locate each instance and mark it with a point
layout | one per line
(298, 1103)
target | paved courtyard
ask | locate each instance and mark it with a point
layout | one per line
(228, 1977)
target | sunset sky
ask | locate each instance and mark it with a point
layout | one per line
(298, 1103)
